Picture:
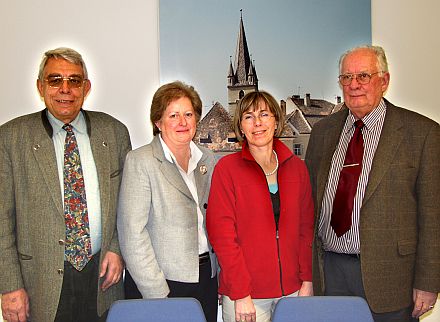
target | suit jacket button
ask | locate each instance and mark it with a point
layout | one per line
(61, 242)
(60, 271)
(205, 206)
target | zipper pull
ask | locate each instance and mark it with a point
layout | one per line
(278, 235)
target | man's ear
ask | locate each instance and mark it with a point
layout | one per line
(385, 81)
(40, 87)
(87, 87)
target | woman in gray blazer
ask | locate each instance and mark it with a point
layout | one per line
(162, 205)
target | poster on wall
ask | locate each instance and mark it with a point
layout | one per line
(287, 48)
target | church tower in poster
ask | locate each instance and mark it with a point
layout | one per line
(242, 77)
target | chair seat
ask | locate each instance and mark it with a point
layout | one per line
(156, 310)
(322, 308)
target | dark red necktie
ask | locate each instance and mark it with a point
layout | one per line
(348, 181)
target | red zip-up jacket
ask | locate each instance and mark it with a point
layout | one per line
(242, 230)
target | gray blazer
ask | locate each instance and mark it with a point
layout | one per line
(400, 213)
(31, 207)
(157, 219)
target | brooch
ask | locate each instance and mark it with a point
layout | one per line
(203, 169)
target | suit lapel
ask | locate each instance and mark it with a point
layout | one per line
(44, 153)
(331, 139)
(168, 169)
(201, 174)
(389, 142)
(101, 157)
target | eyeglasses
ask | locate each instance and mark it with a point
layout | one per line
(250, 118)
(58, 81)
(361, 78)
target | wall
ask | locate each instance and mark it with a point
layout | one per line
(119, 42)
(408, 31)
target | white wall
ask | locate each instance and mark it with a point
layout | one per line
(408, 31)
(118, 40)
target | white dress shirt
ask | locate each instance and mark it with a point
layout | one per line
(349, 242)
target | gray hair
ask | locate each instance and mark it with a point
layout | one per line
(382, 63)
(63, 53)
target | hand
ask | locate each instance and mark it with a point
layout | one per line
(423, 302)
(15, 306)
(245, 310)
(111, 268)
(306, 289)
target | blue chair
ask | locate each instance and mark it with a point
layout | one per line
(322, 308)
(156, 310)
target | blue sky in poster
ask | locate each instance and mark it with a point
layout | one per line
(295, 44)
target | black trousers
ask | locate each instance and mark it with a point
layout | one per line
(205, 291)
(130, 289)
(343, 277)
(78, 300)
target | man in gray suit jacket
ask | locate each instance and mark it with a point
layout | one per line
(389, 250)
(37, 282)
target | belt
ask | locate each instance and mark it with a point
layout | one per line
(203, 258)
(357, 256)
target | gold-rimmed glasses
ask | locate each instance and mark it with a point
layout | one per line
(57, 81)
(362, 78)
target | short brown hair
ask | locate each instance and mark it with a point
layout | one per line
(168, 93)
(251, 102)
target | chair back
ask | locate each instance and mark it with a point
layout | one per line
(156, 310)
(322, 308)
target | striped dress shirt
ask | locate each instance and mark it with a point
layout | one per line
(349, 242)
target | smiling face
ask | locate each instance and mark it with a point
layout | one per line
(258, 126)
(178, 123)
(64, 102)
(362, 99)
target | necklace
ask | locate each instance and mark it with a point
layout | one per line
(276, 167)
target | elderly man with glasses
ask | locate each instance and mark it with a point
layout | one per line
(375, 174)
(60, 171)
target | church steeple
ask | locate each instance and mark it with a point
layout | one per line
(243, 78)
(231, 75)
(242, 58)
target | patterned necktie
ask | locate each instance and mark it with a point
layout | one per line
(78, 250)
(348, 181)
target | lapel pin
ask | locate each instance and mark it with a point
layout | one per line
(104, 144)
(203, 169)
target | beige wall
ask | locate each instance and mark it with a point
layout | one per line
(408, 31)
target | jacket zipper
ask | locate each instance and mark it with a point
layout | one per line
(277, 236)
(279, 264)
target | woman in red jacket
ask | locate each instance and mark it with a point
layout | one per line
(260, 216)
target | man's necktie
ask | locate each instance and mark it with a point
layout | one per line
(348, 181)
(78, 249)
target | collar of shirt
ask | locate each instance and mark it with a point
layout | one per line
(370, 120)
(79, 123)
(196, 155)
